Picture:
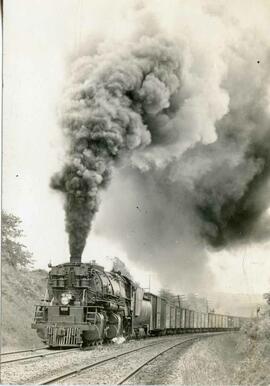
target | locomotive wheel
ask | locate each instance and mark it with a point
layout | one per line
(86, 344)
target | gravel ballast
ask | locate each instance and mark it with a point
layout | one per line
(38, 369)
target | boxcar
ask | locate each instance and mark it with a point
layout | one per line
(187, 319)
(196, 315)
(172, 317)
(167, 316)
(158, 322)
(183, 317)
(177, 318)
(163, 315)
(211, 322)
(154, 321)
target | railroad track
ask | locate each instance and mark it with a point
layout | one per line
(41, 355)
(79, 370)
(144, 364)
(92, 365)
(21, 351)
(153, 358)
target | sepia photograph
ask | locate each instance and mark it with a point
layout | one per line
(135, 217)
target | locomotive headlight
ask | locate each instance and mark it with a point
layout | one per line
(65, 299)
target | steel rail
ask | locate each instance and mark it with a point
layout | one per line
(37, 356)
(132, 373)
(21, 351)
(164, 351)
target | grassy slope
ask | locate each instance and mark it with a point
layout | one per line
(234, 359)
(21, 290)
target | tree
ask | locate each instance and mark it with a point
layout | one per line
(267, 297)
(14, 252)
(168, 295)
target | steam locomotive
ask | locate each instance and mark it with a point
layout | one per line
(84, 305)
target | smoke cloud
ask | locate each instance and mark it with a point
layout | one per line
(107, 106)
(179, 109)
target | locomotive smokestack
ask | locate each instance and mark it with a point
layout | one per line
(75, 259)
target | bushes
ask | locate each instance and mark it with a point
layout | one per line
(22, 288)
(14, 253)
(258, 329)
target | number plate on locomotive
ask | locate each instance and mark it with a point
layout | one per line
(64, 310)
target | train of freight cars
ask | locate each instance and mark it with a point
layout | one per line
(84, 305)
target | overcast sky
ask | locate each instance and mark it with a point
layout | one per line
(39, 36)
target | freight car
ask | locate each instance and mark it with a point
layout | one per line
(84, 305)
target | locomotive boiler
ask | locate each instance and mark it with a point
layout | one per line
(85, 305)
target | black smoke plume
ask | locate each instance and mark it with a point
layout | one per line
(185, 119)
(108, 104)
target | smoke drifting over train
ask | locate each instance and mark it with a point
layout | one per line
(180, 107)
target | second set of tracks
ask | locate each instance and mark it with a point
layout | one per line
(148, 361)
(46, 352)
